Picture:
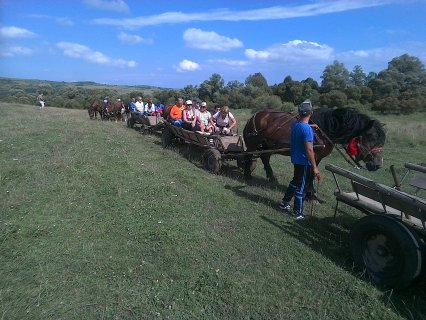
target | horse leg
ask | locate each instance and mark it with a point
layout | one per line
(267, 166)
(247, 166)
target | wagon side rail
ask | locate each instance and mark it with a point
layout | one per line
(375, 198)
(188, 136)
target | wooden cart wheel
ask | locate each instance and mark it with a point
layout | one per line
(166, 137)
(212, 160)
(389, 251)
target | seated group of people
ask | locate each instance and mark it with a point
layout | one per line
(198, 118)
(138, 108)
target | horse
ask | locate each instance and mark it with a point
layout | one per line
(96, 107)
(271, 129)
(114, 110)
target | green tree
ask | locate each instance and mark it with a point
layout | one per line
(210, 89)
(357, 77)
(334, 77)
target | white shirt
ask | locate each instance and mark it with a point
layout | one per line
(150, 107)
(139, 106)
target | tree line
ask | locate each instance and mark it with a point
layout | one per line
(398, 89)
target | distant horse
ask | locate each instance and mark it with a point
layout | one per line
(270, 129)
(96, 108)
(114, 110)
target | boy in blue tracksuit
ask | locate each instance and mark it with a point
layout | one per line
(303, 159)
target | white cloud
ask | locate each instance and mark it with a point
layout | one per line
(15, 51)
(15, 32)
(228, 62)
(209, 40)
(132, 39)
(111, 5)
(271, 13)
(295, 50)
(79, 51)
(187, 65)
(63, 21)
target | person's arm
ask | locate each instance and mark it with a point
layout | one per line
(311, 156)
(184, 118)
(234, 122)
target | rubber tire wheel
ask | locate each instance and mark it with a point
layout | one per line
(387, 250)
(166, 137)
(212, 160)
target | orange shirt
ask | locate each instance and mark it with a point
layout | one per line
(176, 112)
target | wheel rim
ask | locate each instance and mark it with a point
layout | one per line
(381, 255)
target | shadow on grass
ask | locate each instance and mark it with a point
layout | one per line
(194, 155)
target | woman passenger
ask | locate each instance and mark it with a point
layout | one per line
(225, 121)
(189, 117)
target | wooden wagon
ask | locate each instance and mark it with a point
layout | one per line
(388, 243)
(217, 148)
(149, 124)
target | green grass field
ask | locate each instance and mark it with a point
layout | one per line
(100, 222)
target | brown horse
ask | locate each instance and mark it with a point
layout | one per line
(270, 129)
(96, 108)
(114, 110)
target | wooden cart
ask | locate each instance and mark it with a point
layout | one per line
(389, 242)
(217, 148)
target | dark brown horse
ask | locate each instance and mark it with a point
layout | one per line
(96, 108)
(270, 129)
(114, 110)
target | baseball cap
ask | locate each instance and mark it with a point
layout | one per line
(305, 108)
(203, 104)
(188, 102)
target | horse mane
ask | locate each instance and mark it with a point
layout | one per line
(342, 124)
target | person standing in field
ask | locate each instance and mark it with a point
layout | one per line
(40, 100)
(303, 159)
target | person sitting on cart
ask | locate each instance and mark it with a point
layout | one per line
(225, 121)
(149, 108)
(189, 118)
(139, 108)
(175, 116)
(159, 107)
(205, 117)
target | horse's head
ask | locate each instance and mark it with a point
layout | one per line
(370, 146)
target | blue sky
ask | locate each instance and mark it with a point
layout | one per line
(178, 43)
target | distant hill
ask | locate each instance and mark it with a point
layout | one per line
(73, 95)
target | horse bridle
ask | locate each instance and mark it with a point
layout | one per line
(366, 152)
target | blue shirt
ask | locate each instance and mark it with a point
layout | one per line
(300, 133)
(132, 106)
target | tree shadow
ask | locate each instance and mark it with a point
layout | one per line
(329, 236)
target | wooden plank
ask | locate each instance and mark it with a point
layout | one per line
(371, 206)
(415, 167)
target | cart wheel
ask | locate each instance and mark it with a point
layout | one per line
(241, 163)
(166, 137)
(389, 251)
(212, 160)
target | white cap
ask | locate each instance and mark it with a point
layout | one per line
(203, 104)
(188, 102)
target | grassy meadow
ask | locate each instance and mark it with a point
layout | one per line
(100, 222)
